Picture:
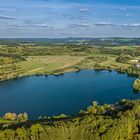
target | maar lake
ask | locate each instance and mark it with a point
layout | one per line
(68, 93)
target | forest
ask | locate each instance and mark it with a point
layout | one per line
(120, 121)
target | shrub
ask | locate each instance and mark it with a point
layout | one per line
(136, 85)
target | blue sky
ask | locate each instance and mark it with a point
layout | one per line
(69, 18)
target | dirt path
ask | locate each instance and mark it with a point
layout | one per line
(34, 70)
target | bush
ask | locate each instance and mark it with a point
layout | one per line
(10, 116)
(123, 58)
(136, 85)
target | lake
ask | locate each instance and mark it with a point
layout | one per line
(68, 93)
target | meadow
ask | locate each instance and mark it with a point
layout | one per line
(40, 60)
(47, 64)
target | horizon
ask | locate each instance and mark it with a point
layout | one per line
(69, 18)
(71, 37)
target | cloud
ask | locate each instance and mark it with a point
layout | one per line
(131, 25)
(43, 25)
(80, 25)
(37, 26)
(84, 10)
(55, 29)
(7, 18)
(127, 14)
(30, 21)
(75, 17)
(103, 24)
(56, 17)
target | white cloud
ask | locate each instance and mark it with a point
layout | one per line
(80, 25)
(84, 10)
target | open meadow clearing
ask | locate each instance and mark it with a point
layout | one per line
(47, 64)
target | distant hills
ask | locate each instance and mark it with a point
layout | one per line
(112, 41)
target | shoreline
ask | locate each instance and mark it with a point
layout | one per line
(62, 73)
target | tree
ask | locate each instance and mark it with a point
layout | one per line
(136, 85)
(10, 116)
(22, 133)
(22, 117)
(94, 103)
(91, 110)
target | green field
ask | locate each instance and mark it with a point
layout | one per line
(47, 64)
(22, 61)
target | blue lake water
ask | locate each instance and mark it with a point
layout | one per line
(68, 93)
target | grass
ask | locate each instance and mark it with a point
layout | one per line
(2, 121)
(109, 62)
(40, 64)
(58, 64)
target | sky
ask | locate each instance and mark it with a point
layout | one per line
(69, 18)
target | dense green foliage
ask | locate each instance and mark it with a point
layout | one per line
(123, 58)
(14, 117)
(137, 84)
(107, 122)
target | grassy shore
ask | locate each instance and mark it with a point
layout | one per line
(20, 62)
